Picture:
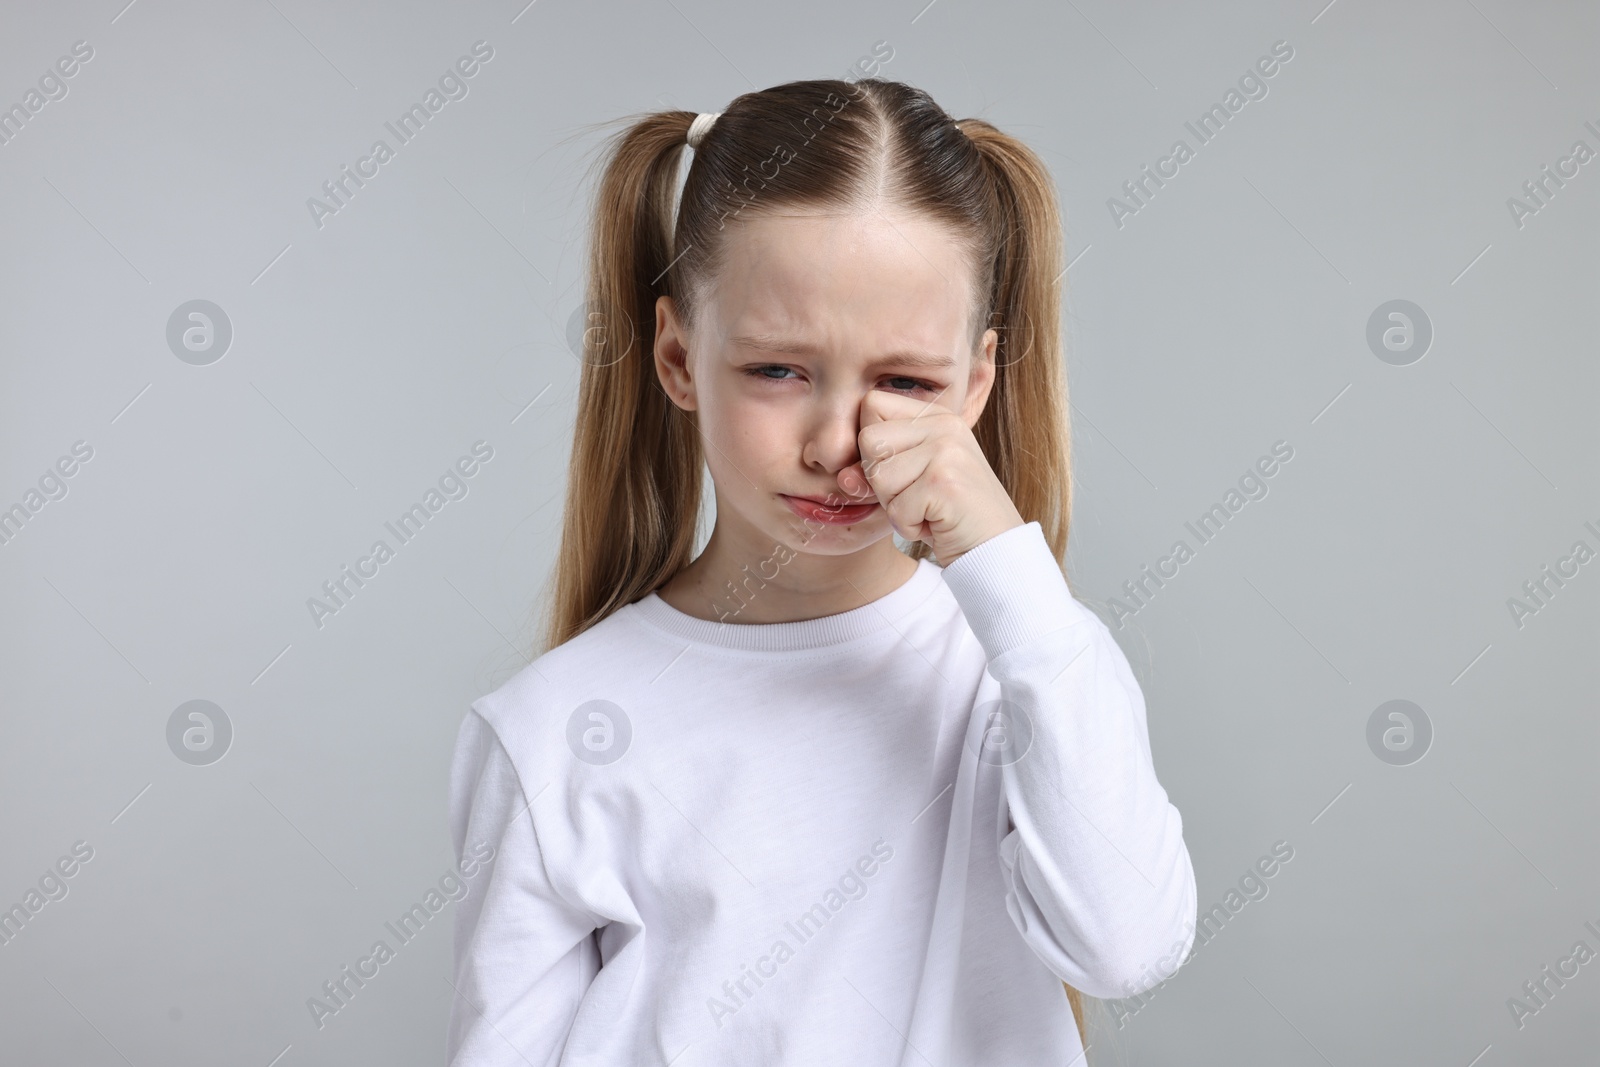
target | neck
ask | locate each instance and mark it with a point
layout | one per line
(773, 583)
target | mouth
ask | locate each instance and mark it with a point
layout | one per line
(836, 512)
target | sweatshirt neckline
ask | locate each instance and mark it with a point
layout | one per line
(801, 635)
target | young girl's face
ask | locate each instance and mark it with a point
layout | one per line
(812, 313)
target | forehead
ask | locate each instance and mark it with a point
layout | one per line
(859, 280)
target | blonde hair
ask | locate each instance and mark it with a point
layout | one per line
(634, 476)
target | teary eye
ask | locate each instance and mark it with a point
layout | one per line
(899, 384)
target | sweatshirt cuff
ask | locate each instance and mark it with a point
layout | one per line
(1012, 591)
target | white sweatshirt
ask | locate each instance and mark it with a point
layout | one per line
(806, 843)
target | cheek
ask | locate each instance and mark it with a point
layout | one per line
(749, 439)
(963, 397)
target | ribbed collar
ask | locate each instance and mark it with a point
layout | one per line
(799, 636)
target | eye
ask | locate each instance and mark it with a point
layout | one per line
(759, 372)
(898, 384)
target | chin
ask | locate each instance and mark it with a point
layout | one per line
(834, 540)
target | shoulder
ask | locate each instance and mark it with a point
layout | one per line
(532, 709)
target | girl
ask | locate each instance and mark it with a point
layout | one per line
(861, 782)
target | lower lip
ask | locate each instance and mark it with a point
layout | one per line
(843, 515)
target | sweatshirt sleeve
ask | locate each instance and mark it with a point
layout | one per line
(1098, 878)
(523, 954)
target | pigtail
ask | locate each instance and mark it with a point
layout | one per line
(1025, 428)
(633, 478)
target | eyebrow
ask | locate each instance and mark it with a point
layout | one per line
(771, 343)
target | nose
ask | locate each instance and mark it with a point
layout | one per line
(832, 433)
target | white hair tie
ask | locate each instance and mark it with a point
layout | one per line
(697, 129)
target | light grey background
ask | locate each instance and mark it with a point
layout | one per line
(431, 312)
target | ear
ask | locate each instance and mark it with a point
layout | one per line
(982, 378)
(672, 355)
